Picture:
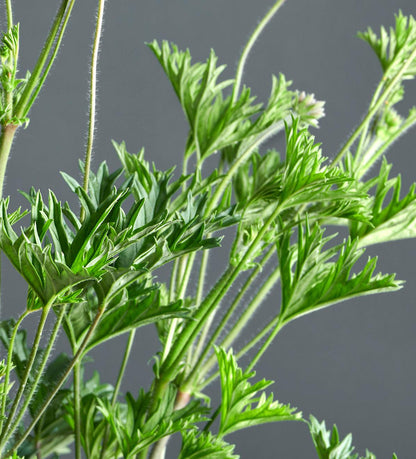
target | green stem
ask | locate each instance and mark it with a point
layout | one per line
(173, 277)
(61, 381)
(374, 109)
(93, 91)
(185, 273)
(265, 345)
(201, 278)
(213, 417)
(198, 300)
(57, 46)
(123, 366)
(45, 312)
(9, 14)
(239, 325)
(35, 383)
(77, 408)
(252, 343)
(22, 105)
(253, 38)
(409, 123)
(364, 133)
(251, 309)
(6, 140)
(193, 328)
(196, 371)
(9, 367)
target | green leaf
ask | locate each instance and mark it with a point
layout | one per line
(243, 404)
(306, 179)
(394, 48)
(135, 306)
(198, 445)
(135, 432)
(310, 280)
(392, 221)
(329, 446)
(93, 424)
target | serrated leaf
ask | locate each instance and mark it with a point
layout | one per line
(328, 444)
(199, 445)
(392, 221)
(243, 404)
(310, 280)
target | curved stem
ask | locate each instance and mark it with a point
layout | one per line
(252, 40)
(35, 383)
(45, 312)
(252, 307)
(93, 91)
(9, 366)
(9, 14)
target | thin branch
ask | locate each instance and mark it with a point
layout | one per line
(93, 91)
(252, 40)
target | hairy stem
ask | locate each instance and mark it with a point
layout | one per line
(9, 366)
(35, 383)
(252, 40)
(186, 264)
(265, 346)
(77, 408)
(193, 328)
(121, 372)
(198, 300)
(201, 369)
(9, 14)
(6, 140)
(236, 302)
(93, 91)
(61, 380)
(6, 433)
(243, 351)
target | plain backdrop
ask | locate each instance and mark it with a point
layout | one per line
(352, 364)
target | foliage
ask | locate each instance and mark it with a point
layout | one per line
(91, 268)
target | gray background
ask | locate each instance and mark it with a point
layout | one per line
(353, 364)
